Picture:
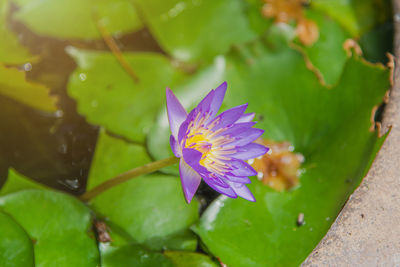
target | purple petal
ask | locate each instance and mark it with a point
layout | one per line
(190, 180)
(228, 117)
(193, 157)
(242, 191)
(228, 191)
(204, 105)
(238, 179)
(176, 113)
(245, 137)
(249, 151)
(236, 129)
(246, 117)
(217, 100)
(241, 168)
(183, 130)
(175, 146)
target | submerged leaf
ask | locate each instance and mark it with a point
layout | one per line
(11, 51)
(184, 259)
(14, 85)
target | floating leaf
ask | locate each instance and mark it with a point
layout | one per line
(196, 30)
(11, 51)
(17, 182)
(184, 259)
(329, 126)
(108, 96)
(76, 19)
(16, 248)
(14, 85)
(131, 255)
(150, 209)
(58, 224)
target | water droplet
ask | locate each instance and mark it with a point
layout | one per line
(63, 148)
(260, 175)
(27, 66)
(94, 103)
(291, 148)
(59, 113)
(327, 218)
(269, 151)
(83, 77)
(250, 161)
(71, 184)
(177, 9)
(311, 229)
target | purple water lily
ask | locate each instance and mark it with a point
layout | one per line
(212, 147)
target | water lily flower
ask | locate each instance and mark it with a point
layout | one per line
(214, 148)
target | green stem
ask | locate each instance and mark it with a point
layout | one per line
(123, 177)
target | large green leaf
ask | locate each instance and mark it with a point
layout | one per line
(14, 85)
(108, 96)
(150, 209)
(16, 248)
(76, 19)
(11, 52)
(356, 16)
(58, 224)
(329, 126)
(131, 255)
(196, 30)
(17, 182)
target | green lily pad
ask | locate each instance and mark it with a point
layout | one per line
(131, 255)
(108, 96)
(11, 51)
(183, 259)
(16, 248)
(58, 224)
(77, 19)
(196, 30)
(356, 16)
(330, 127)
(14, 85)
(17, 182)
(150, 209)
(327, 54)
